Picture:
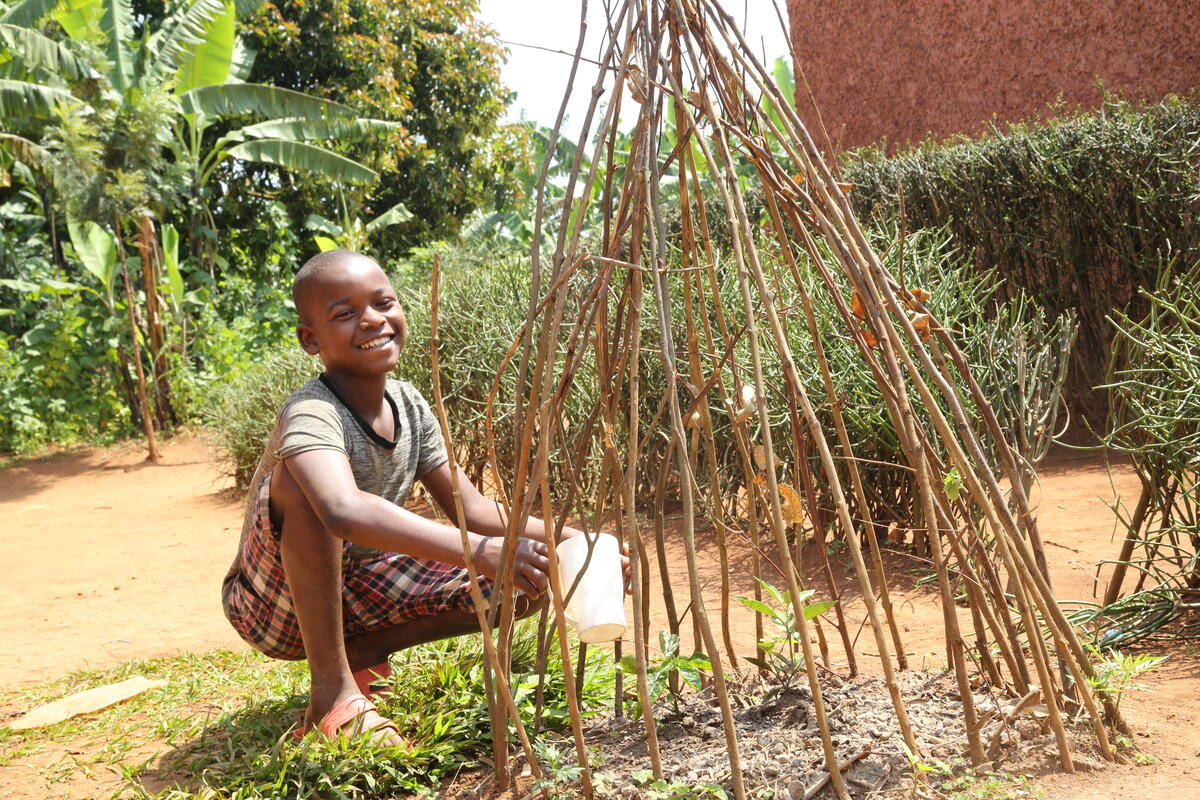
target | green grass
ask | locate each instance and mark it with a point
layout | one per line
(220, 727)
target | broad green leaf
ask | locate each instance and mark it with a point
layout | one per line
(24, 99)
(116, 23)
(761, 663)
(24, 150)
(785, 79)
(204, 53)
(303, 129)
(170, 246)
(814, 610)
(690, 675)
(96, 249)
(78, 17)
(7, 312)
(265, 101)
(490, 223)
(952, 484)
(27, 13)
(804, 595)
(315, 222)
(51, 286)
(325, 244)
(395, 215)
(657, 682)
(35, 50)
(756, 605)
(629, 664)
(669, 644)
(242, 61)
(18, 285)
(245, 7)
(771, 590)
(298, 155)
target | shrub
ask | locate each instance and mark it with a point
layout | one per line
(1079, 213)
(58, 359)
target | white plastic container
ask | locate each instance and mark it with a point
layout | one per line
(597, 608)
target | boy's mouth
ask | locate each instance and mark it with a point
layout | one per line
(377, 342)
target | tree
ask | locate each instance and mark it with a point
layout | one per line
(122, 116)
(426, 64)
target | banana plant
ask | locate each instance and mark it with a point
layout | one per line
(353, 233)
(122, 116)
(196, 54)
(512, 227)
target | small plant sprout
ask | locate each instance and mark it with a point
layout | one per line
(952, 483)
(676, 790)
(659, 672)
(1114, 672)
(558, 769)
(781, 654)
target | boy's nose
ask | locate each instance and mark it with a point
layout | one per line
(370, 318)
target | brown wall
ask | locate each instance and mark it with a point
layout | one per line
(905, 69)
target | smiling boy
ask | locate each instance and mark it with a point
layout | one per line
(331, 567)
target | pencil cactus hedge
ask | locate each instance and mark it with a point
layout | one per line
(1080, 212)
(1017, 350)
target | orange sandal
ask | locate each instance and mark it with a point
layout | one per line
(352, 717)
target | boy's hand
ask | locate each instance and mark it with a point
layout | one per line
(529, 569)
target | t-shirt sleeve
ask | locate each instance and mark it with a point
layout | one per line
(433, 448)
(310, 424)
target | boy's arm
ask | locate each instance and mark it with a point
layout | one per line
(367, 519)
(488, 517)
(483, 515)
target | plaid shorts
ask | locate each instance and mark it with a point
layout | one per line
(379, 591)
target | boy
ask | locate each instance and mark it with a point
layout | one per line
(331, 567)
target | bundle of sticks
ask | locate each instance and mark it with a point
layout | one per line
(707, 119)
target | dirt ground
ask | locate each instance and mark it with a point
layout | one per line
(108, 558)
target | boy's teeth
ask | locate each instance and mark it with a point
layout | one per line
(376, 342)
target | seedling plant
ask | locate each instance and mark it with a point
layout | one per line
(658, 673)
(781, 656)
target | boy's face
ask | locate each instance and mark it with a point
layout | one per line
(352, 319)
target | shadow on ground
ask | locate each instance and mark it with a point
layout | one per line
(239, 748)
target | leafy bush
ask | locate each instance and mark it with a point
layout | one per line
(1079, 213)
(58, 359)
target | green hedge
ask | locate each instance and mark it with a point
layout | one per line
(1079, 212)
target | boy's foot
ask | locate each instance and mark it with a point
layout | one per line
(352, 717)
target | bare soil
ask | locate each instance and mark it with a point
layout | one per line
(108, 558)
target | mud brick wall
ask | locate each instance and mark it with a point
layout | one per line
(907, 69)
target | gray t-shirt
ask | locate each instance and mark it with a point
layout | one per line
(314, 418)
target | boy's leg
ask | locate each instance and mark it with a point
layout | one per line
(312, 562)
(370, 648)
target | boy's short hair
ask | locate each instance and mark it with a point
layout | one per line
(316, 265)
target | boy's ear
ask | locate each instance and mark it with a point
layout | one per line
(307, 339)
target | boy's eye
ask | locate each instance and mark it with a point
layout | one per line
(344, 314)
(385, 302)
